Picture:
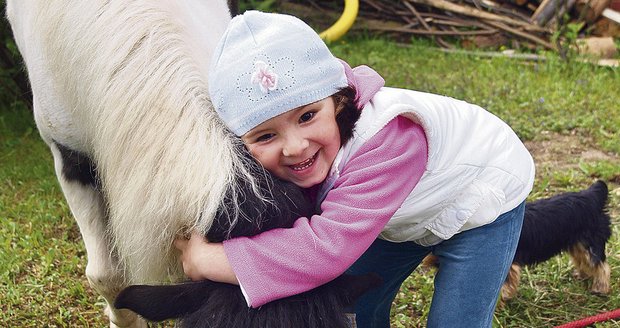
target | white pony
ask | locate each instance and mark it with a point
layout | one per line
(121, 98)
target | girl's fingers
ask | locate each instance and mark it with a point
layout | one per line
(181, 243)
(198, 236)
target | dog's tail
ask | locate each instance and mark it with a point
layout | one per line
(600, 194)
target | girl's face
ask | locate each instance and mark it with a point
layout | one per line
(299, 145)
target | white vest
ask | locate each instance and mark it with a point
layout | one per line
(477, 167)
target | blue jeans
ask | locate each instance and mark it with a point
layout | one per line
(473, 267)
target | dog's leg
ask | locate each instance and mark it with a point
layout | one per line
(430, 261)
(509, 289)
(601, 277)
(87, 205)
(587, 266)
(581, 260)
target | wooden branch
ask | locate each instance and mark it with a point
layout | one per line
(374, 5)
(468, 11)
(439, 40)
(524, 35)
(427, 32)
(493, 6)
(416, 14)
(443, 19)
(458, 23)
(540, 9)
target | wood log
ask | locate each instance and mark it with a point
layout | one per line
(590, 10)
(608, 25)
(598, 47)
(549, 9)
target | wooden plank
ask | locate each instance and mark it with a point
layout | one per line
(611, 15)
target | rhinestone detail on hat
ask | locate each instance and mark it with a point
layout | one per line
(285, 80)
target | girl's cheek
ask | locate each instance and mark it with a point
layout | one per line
(254, 150)
(267, 155)
(259, 153)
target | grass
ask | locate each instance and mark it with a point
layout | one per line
(42, 258)
(561, 110)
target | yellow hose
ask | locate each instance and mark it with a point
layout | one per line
(344, 23)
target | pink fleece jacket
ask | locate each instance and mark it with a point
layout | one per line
(371, 187)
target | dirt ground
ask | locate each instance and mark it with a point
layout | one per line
(556, 152)
(567, 151)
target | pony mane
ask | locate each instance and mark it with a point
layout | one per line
(164, 157)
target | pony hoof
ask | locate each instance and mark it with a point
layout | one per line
(138, 323)
(125, 319)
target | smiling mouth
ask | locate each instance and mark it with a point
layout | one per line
(305, 164)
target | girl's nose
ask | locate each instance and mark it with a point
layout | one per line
(295, 146)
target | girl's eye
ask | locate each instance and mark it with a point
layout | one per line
(307, 116)
(265, 137)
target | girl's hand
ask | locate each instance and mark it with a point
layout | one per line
(203, 260)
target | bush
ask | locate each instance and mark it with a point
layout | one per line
(14, 87)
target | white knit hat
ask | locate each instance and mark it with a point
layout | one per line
(267, 64)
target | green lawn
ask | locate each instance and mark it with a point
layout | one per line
(568, 114)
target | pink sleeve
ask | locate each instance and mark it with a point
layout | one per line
(372, 186)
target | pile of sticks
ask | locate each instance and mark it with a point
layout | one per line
(529, 23)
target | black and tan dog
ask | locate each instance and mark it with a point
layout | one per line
(576, 222)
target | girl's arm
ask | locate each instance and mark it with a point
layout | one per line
(372, 186)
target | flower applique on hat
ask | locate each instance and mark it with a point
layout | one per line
(264, 76)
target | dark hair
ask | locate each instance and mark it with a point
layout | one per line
(349, 113)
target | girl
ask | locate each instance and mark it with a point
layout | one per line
(397, 174)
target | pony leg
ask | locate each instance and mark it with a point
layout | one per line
(103, 273)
